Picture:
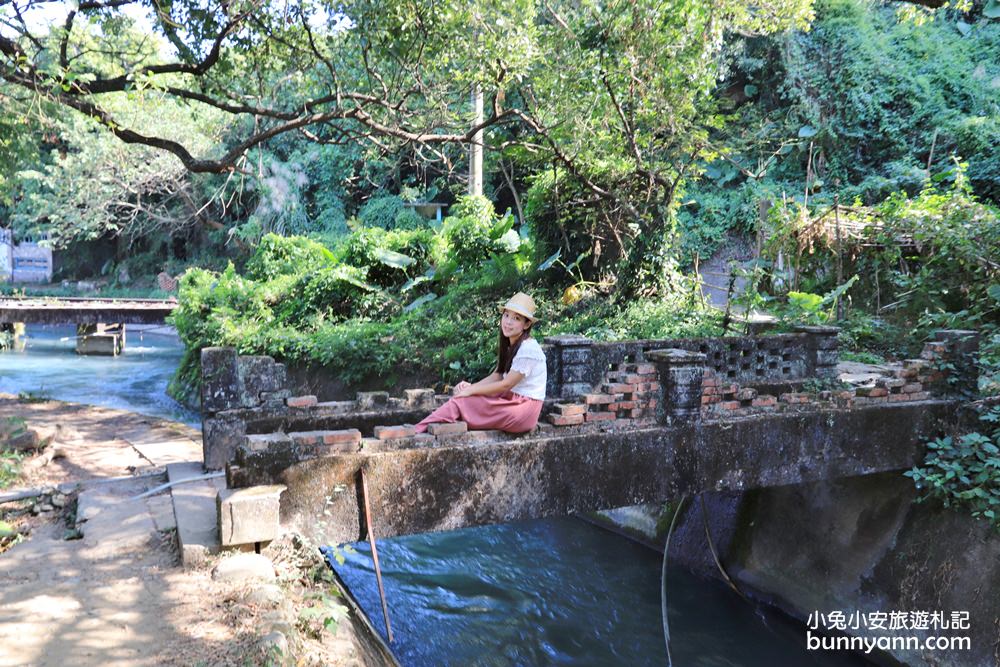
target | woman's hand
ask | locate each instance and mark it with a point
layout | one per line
(460, 387)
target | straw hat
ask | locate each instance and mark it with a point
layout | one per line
(522, 304)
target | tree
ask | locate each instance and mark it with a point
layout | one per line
(616, 96)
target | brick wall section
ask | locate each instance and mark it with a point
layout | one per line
(912, 382)
(576, 364)
(628, 394)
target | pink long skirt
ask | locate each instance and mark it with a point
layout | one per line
(507, 412)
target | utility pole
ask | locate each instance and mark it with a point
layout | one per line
(476, 148)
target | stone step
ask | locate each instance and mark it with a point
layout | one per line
(195, 512)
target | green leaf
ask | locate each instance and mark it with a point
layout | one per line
(395, 259)
(992, 9)
(550, 261)
(807, 131)
(413, 305)
(749, 90)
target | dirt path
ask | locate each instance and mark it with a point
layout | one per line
(116, 595)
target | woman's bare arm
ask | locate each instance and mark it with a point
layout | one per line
(493, 387)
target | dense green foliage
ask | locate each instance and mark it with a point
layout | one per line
(864, 104)
(965, 470)
(362, 313)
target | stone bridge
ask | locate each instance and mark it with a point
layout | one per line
(100, 322)
(626, 423)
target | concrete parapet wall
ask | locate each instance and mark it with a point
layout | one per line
(447, 485)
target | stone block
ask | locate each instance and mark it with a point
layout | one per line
(259, 374)
(577, 373)
(447, 429)
(566, 420)
(372, 400)
(890, 383)
(911, 388)
(419, 398)
(335, 448)
(307, 401)
(394, 432)
(574, 389)
(746, 394)
(248, 515)
(220, 387)
(260, 442)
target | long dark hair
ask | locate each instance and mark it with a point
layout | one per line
(506, 351)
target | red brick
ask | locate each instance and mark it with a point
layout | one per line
(845, 395)
(709, 382)
(633, 378)
(641, 369)
(710, 391)
(622, 405)
(350, 435)
(306, 437)
(729, 389)
(895, 398)
(618, 388)
(920, 396)
(764, 401)
(637, 413)
(392, 432)
(794, 397)
(447, 429)
(912, 388)
(566, 420)
(708, 400)
(598, 399)
(301, 401)
(729, 405)
(568, 409)
(600, 416)
(872, 392)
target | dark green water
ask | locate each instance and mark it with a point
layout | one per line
(559, 592)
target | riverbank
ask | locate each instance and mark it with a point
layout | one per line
(97, 580)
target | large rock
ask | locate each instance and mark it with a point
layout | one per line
(244, 567)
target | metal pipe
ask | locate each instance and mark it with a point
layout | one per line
(371, 541)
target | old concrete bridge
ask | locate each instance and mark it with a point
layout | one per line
(100, 322)
(626, 423)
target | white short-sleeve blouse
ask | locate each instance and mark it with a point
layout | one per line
(530, 362)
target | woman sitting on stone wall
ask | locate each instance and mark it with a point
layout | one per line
(511, 397)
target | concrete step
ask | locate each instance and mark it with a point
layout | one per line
(195, 512)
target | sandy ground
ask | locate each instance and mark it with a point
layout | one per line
(117, 595)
